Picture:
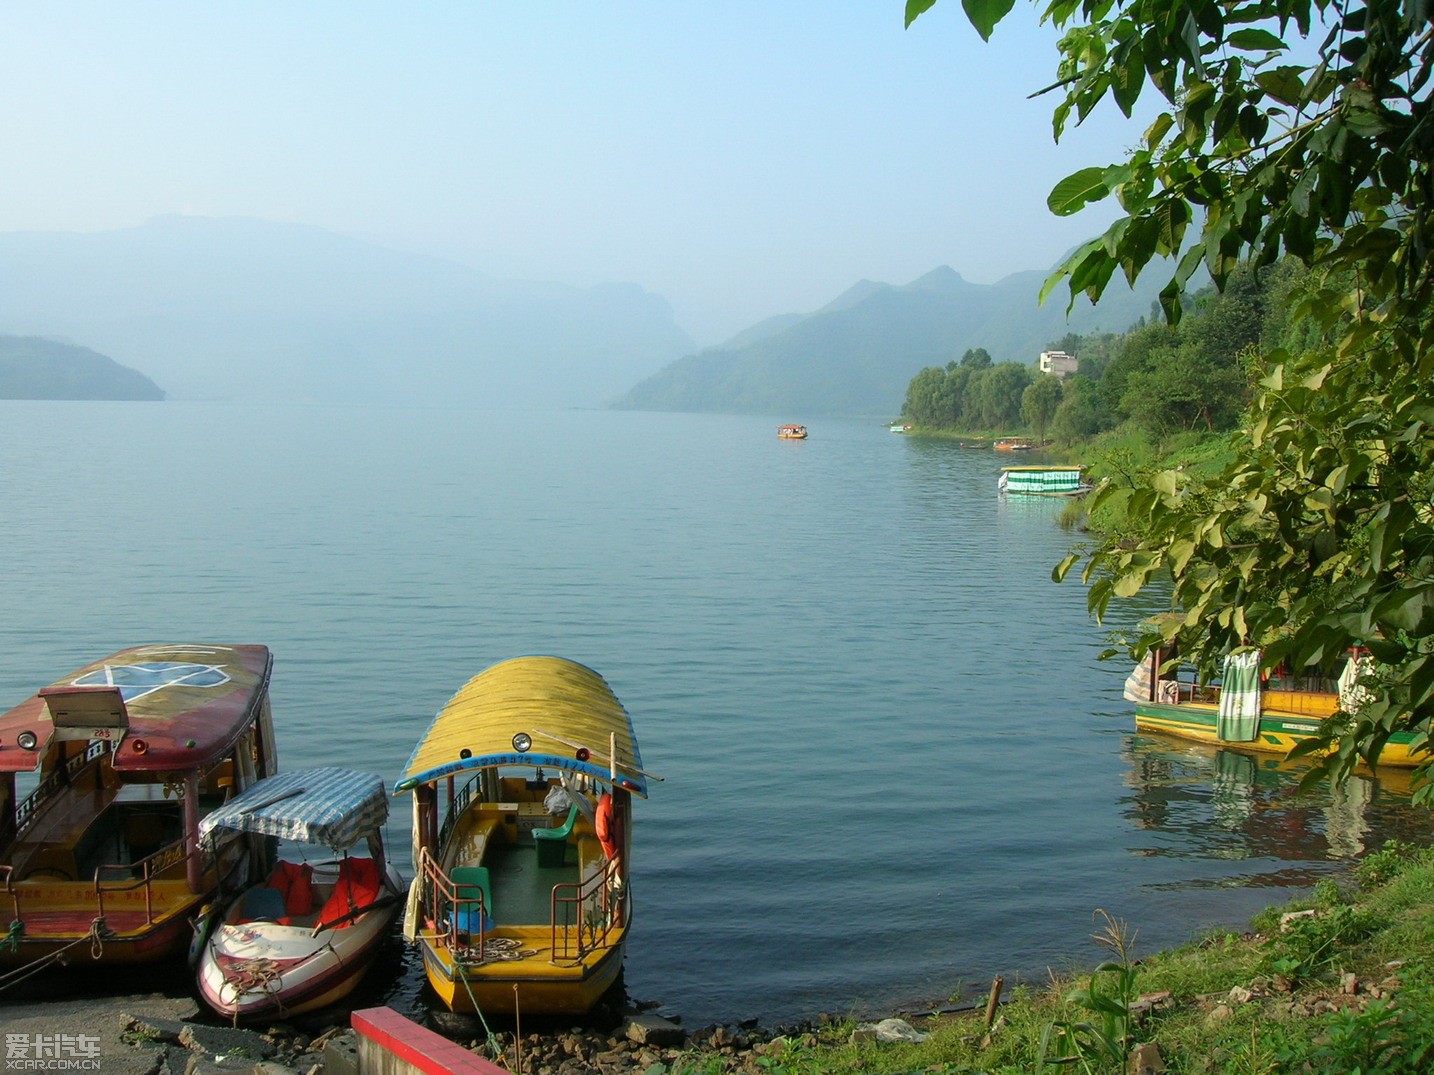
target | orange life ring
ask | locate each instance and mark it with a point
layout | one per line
(606, 825)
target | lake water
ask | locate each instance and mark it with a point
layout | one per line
(893, 766)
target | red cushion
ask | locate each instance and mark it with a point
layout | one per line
(296, 881)
(357, 887)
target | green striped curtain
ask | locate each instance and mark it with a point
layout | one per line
(1239, 720)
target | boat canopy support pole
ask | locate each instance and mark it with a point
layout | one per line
(192, 864)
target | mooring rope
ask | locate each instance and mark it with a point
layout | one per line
(461, 972)
(494, 950)
(96, 935)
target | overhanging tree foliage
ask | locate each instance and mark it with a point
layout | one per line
(1286, 127)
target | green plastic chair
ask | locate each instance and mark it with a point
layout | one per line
(470, 882)
(552, 844)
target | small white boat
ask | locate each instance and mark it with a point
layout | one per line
(302, 938)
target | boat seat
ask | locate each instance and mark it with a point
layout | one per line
(262, 904)
(471, 883)
(552, 844)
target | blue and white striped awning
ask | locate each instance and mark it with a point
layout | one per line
(332, 807)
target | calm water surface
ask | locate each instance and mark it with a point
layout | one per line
(893, 765)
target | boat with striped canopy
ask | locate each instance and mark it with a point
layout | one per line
(101, 856)
(522, 799)
(1267, 713)
(303, 935)
(1044, 480)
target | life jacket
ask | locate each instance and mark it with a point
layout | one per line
(606, 825)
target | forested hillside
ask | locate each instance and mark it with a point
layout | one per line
(36, 368)
(1157, 378)
(855, 355)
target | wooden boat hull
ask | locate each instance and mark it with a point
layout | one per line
(536, 985)
(99, 862)
(122, 937)
(1278, 733)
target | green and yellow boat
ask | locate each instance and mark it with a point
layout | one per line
(522, 798)
(1268, 714)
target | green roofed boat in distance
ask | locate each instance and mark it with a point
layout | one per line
(1048, 480)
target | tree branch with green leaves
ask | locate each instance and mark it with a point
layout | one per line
(1286, 128)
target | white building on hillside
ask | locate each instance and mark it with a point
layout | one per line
(1058, 363)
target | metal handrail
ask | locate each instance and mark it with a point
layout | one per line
(455, 810)
(61, 778)
(586, 913)
(151, 866)
(442, 904)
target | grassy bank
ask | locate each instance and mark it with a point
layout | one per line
(1340, 981)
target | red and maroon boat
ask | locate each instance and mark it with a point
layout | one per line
(104, 778)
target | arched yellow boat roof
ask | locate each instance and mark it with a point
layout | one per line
(566, 709)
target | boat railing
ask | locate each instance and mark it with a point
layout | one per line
(444, 907)
(148, 870)
(455, 810)
(55, 783)
(586, 913)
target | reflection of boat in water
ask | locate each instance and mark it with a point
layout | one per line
(1044, 480)
(1246, 710)
(131, 751)
(521, 896)
(1240, 804)
(792, 432)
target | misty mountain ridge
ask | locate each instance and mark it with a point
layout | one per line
(856, 355)
(35, 368)
(235, 308)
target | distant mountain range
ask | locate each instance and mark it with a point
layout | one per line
(229, 308)
(232, 308)
(34, 368)
(856, 355)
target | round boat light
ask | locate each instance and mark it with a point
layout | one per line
(465, 753)
(584, 754)
(522, 742)
(27, 740)
(140, 746)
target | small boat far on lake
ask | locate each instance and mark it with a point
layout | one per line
(792, 432)
(520, 901)
(101, 860)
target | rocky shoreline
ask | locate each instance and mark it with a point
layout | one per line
(157, 1034)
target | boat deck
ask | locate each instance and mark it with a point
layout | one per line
(523, 890)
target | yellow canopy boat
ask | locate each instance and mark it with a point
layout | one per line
(523, 789)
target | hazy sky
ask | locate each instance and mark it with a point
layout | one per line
(740, 158)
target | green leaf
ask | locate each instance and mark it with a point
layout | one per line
(984, 14)
(1059, 572)
(1253, 40)
(1075, 192)
(1283, 84)
(916, 8)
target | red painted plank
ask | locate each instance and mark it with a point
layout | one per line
(430, 1053)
